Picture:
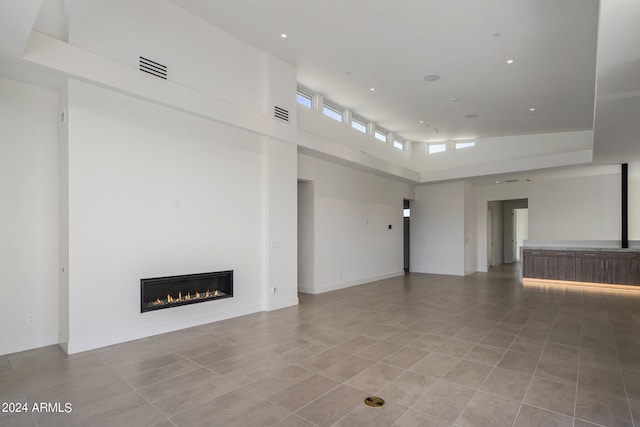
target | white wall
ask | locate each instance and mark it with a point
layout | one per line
(28, 216)
(570, 209)
(522, 229)
(503, 155)
(352, 212)
(470, 237)
(153, 192)
(306, 244)
(508, 248)
(496, 218)
(437, 229)
(198, 55)
(282, 231)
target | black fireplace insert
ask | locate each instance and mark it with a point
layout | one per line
(164, 292)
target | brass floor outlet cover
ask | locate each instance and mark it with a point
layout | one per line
(374, 401)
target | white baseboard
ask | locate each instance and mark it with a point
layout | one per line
(27, 343)
(78, 346)
(282, 304)
(334, 287)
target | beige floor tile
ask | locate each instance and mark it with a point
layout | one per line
(469, 374)
(366, 416)
(435, 364)
(347, 368)
(375, 377)
(602, 408)
(408, 388)
(405, 357)
(486, 355)
(300, 394)
(508, 328)
(602, 380)
(379, 350)
(488, 410)
(497, 339)
(557, 351)
(558, 370)
(323, 360)
(454, 347)
(599, 359)
(293, 421)
(427, 342)
(445, 400)
(520, 362)
(470, 334)
(535, 333)
(356, 344)
(331, 407)
(552, 396)
(508, 384)
(635, 410)
(413, 418)
(536, 417)
(192, 396)
(277, 381)
(527, 345)
(232, 409)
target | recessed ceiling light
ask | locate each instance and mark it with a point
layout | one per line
(421, 121)
(283, 35)
(372, 89)
(454, 99)
(497, 182)
(510, 61)
(471, 116)
(532, 109)
(431, 77)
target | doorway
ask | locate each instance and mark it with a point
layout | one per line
(406, 213)
(306, 236)
(520, 229)
(505, 236)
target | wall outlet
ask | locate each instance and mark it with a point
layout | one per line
(30, 319)
(273, 290)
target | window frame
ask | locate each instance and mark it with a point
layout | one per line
(382, 131)
(333, 108)
(436, 144)
(306, 94)
(361, 121)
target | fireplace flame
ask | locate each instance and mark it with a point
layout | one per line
(188, 297)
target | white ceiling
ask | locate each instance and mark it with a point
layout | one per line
(343, 48)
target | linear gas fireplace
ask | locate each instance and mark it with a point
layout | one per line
(163, 292)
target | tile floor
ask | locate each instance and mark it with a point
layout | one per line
(442, 351)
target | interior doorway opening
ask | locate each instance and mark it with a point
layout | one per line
(306, 236)
(406, 213)
(507, 230)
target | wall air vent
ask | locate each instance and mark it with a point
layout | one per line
(153, 68)
(281, 113)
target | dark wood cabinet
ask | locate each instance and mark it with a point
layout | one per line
(535, 265)
(606, 267)
(555, 265)
(562, 266)
(620, 268)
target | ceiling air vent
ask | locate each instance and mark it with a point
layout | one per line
(511, 180)
(153, 68)
(281, 113)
